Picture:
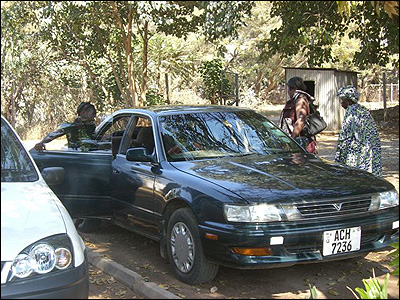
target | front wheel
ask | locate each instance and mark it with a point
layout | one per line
(87, 225)
(185, 252)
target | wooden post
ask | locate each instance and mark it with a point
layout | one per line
(384, 97)
(167, 87)
(237, 89)
(13, 112)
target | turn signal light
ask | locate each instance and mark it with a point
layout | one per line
(253, 251)
(211, 236)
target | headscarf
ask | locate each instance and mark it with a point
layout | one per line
(349, 92)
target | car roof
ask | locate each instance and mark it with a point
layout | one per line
(173, 109)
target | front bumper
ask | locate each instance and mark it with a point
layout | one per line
(302, 241)
(69, 284)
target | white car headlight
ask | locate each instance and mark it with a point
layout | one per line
(384, 200)
(43, 257)
(260, 213)
(22, 266)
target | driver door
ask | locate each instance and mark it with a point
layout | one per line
(85, 190)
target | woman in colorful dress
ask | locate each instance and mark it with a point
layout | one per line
(359, 143)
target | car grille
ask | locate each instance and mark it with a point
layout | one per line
(334, 208)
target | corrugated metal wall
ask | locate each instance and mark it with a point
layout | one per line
(327, 82)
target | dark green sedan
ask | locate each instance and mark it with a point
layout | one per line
(222, 186)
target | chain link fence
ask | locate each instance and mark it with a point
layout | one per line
(374, 93)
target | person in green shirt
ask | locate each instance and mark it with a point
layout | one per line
(76, 132)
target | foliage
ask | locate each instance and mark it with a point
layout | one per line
(312, 27)
(58, 53)
(222, 18)
(395, 259)
(215, 83)
(153, 97)
(373, 288)
(313, 292)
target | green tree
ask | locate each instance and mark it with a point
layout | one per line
(80, 30)
(215, 83)
(30, 75)
(312, 28)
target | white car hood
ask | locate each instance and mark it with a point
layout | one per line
(28, 213)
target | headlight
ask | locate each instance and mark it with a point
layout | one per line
(43, 257)
(384, 200)
(260, 213)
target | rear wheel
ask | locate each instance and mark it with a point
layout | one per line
(185, 252)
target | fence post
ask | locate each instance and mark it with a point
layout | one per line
(391, 92)
(237, 89)
(384, 97)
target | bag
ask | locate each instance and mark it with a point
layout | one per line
(314, 123)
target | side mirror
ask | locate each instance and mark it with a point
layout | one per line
(53, 175)
(138, 154)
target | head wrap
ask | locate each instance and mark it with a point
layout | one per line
(349, 92)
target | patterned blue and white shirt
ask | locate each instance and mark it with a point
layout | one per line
(359, 143)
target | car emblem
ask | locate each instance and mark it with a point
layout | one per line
(337, 206)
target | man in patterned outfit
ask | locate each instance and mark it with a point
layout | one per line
(77, 132)
(359, 143)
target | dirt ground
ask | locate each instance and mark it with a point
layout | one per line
(104, 286)
(331, 279)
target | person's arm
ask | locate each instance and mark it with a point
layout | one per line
(302, 109)
(48, 138)
(345, 136)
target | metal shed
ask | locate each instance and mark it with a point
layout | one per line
(323, 85)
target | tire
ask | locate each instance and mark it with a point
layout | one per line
(87, 225)
(184, 249)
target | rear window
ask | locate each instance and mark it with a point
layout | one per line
(16, 165)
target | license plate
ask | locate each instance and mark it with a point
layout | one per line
(341, 240)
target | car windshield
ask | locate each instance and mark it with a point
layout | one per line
(219, 134)
(16, 165)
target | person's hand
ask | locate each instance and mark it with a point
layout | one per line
(40, 147)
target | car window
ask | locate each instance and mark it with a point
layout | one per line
(16, 166)
(140, 135)
(218, 134)
(115, 128)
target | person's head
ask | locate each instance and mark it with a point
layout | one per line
(295, 83)
(86, 111)
(348, 95)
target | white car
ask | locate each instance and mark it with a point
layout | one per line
(42, 255)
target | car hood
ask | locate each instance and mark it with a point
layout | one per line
(29, 213)
(284, 178)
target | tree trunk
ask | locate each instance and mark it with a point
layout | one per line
(143, 89)
(127, 39)
(123, 75)
(121, 89)
(260, 76)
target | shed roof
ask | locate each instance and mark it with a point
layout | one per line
(321, 69)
